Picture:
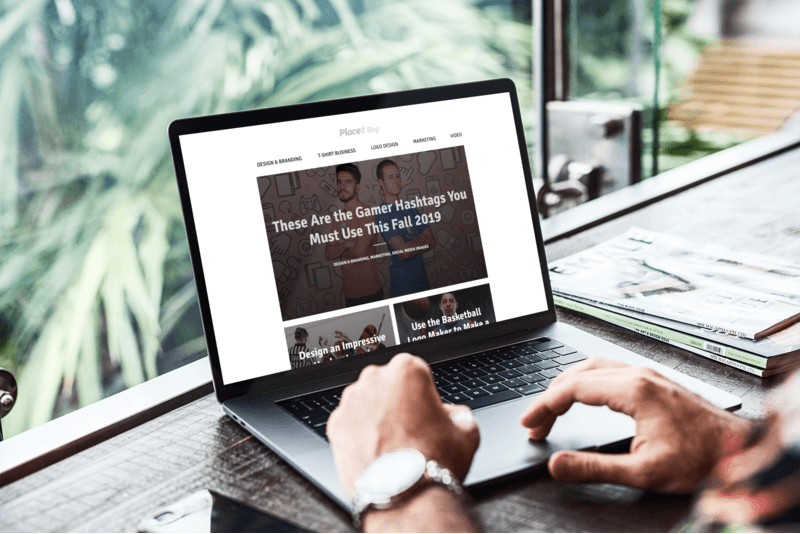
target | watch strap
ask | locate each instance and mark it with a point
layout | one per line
(433, 473)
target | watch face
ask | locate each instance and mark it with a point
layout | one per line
(390, 474)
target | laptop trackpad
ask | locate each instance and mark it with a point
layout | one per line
(505, 447)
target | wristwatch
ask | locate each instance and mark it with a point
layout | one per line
(394, 476)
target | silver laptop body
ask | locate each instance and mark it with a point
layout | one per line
(259, 404)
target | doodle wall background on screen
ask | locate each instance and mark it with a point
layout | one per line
(308, 284)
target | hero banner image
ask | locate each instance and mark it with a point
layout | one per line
(358, 233)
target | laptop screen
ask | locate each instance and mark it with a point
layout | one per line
(336, 236)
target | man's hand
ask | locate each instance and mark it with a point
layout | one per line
(396, 406)
(679, 436)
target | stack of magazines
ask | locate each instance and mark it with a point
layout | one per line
(737, 308)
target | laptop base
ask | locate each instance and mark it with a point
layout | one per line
(505, 448)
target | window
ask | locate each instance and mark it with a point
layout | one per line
(96, 287)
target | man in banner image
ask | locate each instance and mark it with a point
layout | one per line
(448, 305)
(360, 281)
(407, 270)
(298, 354)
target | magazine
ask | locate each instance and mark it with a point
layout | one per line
(772, 348)
(686, 337)
(742, 294)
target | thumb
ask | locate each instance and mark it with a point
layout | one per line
(613, 468)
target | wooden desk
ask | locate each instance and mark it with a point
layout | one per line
(111, 486)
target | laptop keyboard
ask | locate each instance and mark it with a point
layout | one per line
(478, 380)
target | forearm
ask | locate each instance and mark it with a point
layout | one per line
(362, 247)
(334, 250)
(434, 509)
(414, 247)
(732, 432)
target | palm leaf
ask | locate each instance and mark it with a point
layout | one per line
(94, 267)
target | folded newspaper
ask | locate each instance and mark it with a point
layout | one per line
(742, 294)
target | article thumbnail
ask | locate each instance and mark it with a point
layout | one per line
(339, 337)
(445, 313)
(361, 232)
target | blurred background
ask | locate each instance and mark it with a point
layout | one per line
(96, 287)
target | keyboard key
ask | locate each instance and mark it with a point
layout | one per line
(567, 366)
(533, 377)
(312, 414)
(474, 383)
(495, 388)
(317, 421)
(488, 400)
(550, 373)
(457, 398)
(296, 407)
(524, 351)
(547, 345)
(547, 355)
(317, 402)
(571, 358)
(494, 368)
(474, 373)
(529, 359)
(527, 369)
(563, 351)
(450, 369)
(511, 364)
(514, 383)
(456, 377)
(488, 360)
(511, 373)
(547, 364)
(529, 389)
(329, 408)
(492, 379)
(332, 398)
(546, 383)
(453, 388)
(509, 355)
(441, 382)
(475, 393)
(473, 363)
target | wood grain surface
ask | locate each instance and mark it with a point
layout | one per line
(111, 486)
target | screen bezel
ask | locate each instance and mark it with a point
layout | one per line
(338, 107)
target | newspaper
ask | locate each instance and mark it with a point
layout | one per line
(736, 293)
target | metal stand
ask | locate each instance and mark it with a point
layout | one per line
(8, 394)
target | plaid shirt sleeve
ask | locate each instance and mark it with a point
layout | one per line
(757, 488)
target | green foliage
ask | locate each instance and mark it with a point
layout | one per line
(613, 48)
(95, 278)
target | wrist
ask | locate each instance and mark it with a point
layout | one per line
(432, 509)
(733, 435)
(397, 477)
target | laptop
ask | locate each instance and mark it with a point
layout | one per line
(329, 236)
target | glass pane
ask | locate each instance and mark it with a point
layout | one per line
(730, 73)
(727, 71)
(96, 287)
